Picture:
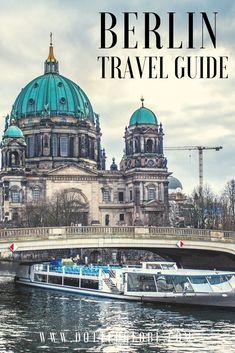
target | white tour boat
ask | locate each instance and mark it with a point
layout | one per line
(159, 282)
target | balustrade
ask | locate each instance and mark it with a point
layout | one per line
(118, 231)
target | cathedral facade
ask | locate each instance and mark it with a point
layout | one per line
(52, 144)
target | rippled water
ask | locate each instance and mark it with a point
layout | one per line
(37, 320)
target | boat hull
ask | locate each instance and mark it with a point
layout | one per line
(80, 291)
(221, 300)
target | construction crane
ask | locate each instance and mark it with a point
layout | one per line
(200, 150)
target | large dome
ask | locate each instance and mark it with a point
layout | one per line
(54, 93)
(143, 116)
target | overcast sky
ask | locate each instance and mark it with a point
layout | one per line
(193, 112)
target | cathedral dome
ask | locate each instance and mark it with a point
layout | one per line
(174, 184)
(55, 94)
(143, 116)
(52, 95)
(13, 132)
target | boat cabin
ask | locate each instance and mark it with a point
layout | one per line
(151, 279)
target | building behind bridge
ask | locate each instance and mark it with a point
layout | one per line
(52, 144)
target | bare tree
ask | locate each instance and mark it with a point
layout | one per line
(63, 209)
(201, 209)
(228, 203)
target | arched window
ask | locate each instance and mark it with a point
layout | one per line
(30, 146)
(15, 196)
(46, 141)
(36, 193)
(15, 215)
(92, 149)
(71, 146)
(106, 196)
(121, 196)
(149, 146)
(38, 145)
(64, 150)
(151, 193)
(14, 159)
(131, 195)
(54, 146)
(107, 220)
(137, 146)
(130, 147)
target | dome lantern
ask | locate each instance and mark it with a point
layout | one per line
(51, 65)
(113, 166)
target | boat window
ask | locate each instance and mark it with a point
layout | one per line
(231, 279)
(165, 283)
(154, 266)
(86, 283)
(219, 283)
(40, 267)
(182, 284)
(72, 282)
(168, 266)
(55, 279)
(40, 278)
(140, 283)
(53, 268)
(198, 280)
(214, 280)
(200, 284)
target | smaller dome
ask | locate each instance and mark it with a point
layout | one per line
(13, 132)
(113, 166)
(174, 183)
(143, 116)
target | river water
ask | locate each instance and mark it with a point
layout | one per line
(38, 320)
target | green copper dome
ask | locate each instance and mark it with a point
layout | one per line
(13, 132)
(53, 95)
(143, 116)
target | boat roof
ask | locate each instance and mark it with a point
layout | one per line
(179, 272)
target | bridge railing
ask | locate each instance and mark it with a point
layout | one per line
(229, 235)
(73, 231)
(99, 230)
(22, 232)
(180, 231)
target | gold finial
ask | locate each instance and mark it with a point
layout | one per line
(142, 101)
(51, 57)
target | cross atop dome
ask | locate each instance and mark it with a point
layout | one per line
(142, 101)
(51, 38)
(51, 65)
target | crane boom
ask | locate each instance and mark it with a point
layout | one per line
(200, 150)
(190, 148)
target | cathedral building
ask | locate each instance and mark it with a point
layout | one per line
(52, 144)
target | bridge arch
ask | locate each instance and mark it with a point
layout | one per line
(199, 248)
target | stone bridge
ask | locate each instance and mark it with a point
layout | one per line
(189, 247)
